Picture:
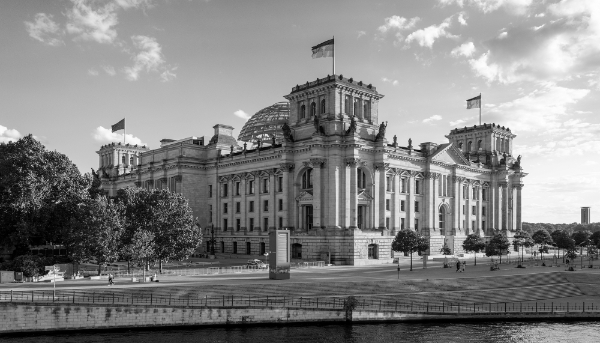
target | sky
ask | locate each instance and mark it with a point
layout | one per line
(69, 69)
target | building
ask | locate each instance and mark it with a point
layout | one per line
(331, 175)
(585, 215)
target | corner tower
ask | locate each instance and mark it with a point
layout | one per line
(483, 143)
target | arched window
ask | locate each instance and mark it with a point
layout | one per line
(302, 112)
(313, 109)
(442, 217)
(307, 179)
(479, 144)
(123, 159)
(131, 160)
(469, 146)
(460, 145)
(366, 113)
(347, 105)
(361, 178)
(357, 109)
(323, 106)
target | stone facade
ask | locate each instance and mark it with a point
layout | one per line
(335, 180)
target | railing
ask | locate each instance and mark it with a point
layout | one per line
(228, 301)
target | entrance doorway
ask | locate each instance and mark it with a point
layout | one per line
(373, 251)
(235, 247)
(308, 217)
(296, 250)
(262, 248)
(248, 251)
(360, 216)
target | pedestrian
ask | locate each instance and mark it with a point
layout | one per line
(457, 265)
(464, 265)
(110, 280)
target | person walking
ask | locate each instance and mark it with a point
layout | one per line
(457, 265)
(464, 265)
(110, 280)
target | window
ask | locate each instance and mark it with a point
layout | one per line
(224, 224)
(251, 187)
(465, 192)
(237, 225)
(416, 206)
(356, 108)
(251, 206)
(473, 224)
(463, 209)
(123, 159)
(210, 191)
(460, 145)
(251, 224)
(361, 180)
(473, 210)
(479, 144)
(417, 186)
(265, 184)
(483, 225)
(237, 207)
(442, 218)
(281, 222)
(235, 247)
(402, 206)
(366, 113)
(483, 211)
(302, 112)
(387, 204)
(387, 222)
(173, 186)
(266, 205)
(280, 204)
(237, 188)
(416, 225)
(225, 207)
(307, 179)
(210, 214)
(131, 160)
(403, 182)
(388, 184)
(266, 224)
(280, 184)
(347, 105)
(225, 189)
(401, 223)
(474, 193)
(323, 106)
(469, 145)
(483, 194)
(313, 109)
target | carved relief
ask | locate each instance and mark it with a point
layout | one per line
(381, 166)
(286, 167)
(317, 162)
(352, 162)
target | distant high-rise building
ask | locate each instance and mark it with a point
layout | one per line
(585, 215)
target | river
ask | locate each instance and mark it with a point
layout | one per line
(571, 332)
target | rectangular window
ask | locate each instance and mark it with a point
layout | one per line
(225, 207)
(266, 224)
(237, 224)
(266, 205)
(473, 210)
(251, 206)
(281, 222)
(483, 225)
(402, 206)
(465, 192)
(265, 187)
(210, 214)
(475, 193)
(209, 190)
(251, 224)
(463, 209)
(225, 189)
(237, 207)
(473, 225)
(401, 223)
(417, 186)
(463, 223)
(387, 204)
(484, 194)
(237, 188)
(388, 184)
(251, 187)
(280, 184)
(173, 185)
(483, 211)
(403, 182)
(416, 206)
(281, 204)
(387, 223)
(416, 225)
(224, 224)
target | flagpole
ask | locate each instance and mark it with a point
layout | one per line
(333, 55)
(124, 130)
(480, 106)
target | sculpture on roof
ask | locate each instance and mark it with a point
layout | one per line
(410, 143)
(381, 133)
(273, 141)
(352, 129)
(287, 133)
(395, 141)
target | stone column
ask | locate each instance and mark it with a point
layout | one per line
(379, 197)
(231, 209)
(243, 213)
(351, 192)
(396, 206)
(317, 164)
(518, 207)
(467, 203)
(287, 210)
(480, 217)
(273, 199)
(429, 202)
(458, 202)
(504, 206)
(410, 206)
(333, 192)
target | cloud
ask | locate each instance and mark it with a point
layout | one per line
(396, 24)
(45, 30)
(483, 68)
(93, 72)
(360, 34)
(462, 19)
(465, 49)
(103, 135)
(393, 82)
(242, 114)
(433, 118)
(109, 70)
(148, 58)
(513, 6)
(92, 24)
(502, 35)
(9, 135)
(427, 36)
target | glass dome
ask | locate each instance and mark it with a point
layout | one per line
(265, 123)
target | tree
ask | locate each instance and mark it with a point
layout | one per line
(474, 244)
(563, 241)
(30, 265)
(140, 248)
(581, 237)
(167, 216)
(522, 239)
(39, 193)
(408, 241)
(543, 239)
(497, 246)
(97, 232)
(595, 238)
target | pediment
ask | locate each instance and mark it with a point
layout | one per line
(305, 196)
(363, 195)
(449, 154)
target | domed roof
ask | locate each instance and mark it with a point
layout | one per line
(265, 123)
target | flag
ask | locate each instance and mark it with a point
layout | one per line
(474, 102)
(324, 49)
(119, 126)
